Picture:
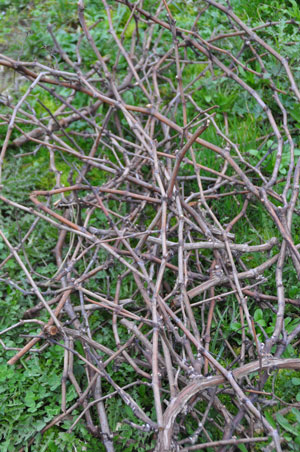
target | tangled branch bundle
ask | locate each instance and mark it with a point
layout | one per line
(157, 218)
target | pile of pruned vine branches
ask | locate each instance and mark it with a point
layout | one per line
(139, 208)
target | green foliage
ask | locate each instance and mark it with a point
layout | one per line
(25, 396)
